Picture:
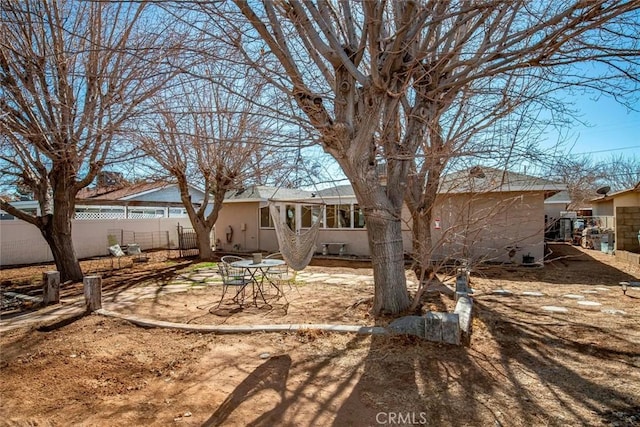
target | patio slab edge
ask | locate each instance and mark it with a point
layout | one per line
(239, 329)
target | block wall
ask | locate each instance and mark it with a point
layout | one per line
(627, 228)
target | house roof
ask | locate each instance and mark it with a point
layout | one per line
(262, 193)
(477, 179)
(122, 192)
(615, 194)
(345, 190)
(485, 179)
(562, 197)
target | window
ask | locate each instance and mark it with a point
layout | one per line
(290, 216)
(265, 218)
(175, 212)
(338, 216)
(298, 216)
(358, 217)
(310, 215)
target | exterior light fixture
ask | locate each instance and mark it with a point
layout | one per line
(624, 287)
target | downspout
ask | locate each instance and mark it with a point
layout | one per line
(258, 229)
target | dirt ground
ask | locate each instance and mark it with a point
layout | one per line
(528, 363)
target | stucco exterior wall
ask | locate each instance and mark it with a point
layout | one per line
(22, 242)
(627, 200)
(483, 227)
(243, 218)
(486, 227)
(264, 239)
(603, 208)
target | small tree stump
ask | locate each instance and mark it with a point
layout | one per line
(51, 287)
(93, 292)
(462, 286)
(464, 309)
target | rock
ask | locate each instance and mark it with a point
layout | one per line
(409, 325)
(555, 309)
(442, 327)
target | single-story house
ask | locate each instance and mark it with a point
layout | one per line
(624, 206)
(480, 213)
(491, 215)
(158, 199)
(556, 205)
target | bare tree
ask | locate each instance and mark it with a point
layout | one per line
(584, 175)
(72, 73)
(209, 135)
(621, 172)
(351, 67)
(493, 122)
(494, 64)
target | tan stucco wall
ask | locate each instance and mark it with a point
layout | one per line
(603, 208)
(627, 219)
(485, 227)
(253, 238)
(481, 227)
(238, 216)
(627, 200)
(608, 207)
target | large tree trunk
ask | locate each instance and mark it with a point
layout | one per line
(202, 224)
(56, 230)
(382, 208)
(387, 257)
(203, 234)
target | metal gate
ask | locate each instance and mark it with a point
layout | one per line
(187, 242)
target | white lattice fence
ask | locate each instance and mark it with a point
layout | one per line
(99, 215)
(143, 215)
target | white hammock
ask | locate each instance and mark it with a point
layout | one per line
(297, 249)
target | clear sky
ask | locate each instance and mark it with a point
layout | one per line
(613, 130)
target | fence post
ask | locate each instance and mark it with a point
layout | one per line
(51, 287)
(92, 292)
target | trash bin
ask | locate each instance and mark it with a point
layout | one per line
(604, 243)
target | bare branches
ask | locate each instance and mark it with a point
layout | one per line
(72, 74)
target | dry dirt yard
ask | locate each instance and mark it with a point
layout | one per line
(527, 364)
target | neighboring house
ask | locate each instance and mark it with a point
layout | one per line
(557, 217)
(123, 200)
(484, 214)
(158, 199)
(556, 205)
(624, 206)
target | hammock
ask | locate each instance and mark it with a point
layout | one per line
(297, 249)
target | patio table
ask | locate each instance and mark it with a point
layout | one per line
(262, 267)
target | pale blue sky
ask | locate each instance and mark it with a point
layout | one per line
(613, 129)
